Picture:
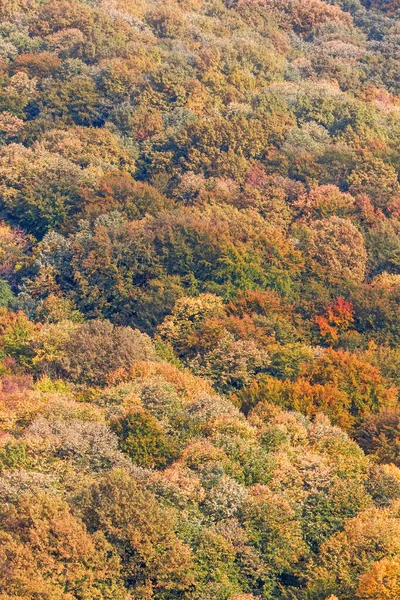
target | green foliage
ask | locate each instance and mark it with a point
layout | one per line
(6, 295)
(142, 438)
(156, 562)
(13, 456)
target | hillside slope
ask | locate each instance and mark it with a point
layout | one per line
(199, 300)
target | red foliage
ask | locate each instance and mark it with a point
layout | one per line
(338, 318)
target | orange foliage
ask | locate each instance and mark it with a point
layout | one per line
(186, 384)
(338, 317)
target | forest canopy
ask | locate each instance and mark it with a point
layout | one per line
(199, 300)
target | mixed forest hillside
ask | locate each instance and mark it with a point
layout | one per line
(199, 300)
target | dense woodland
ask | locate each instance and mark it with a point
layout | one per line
(199, 300)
